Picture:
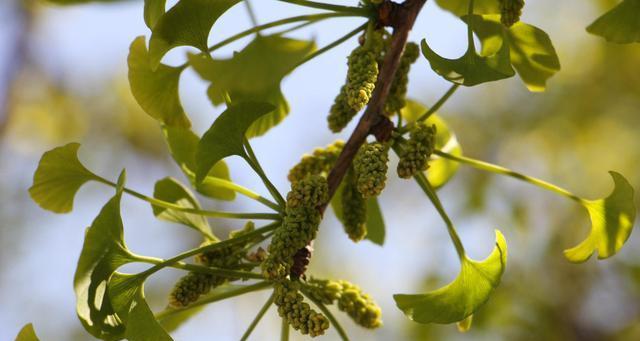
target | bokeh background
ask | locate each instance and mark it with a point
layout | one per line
(63, 78)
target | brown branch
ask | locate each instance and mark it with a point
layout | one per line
(401, 18)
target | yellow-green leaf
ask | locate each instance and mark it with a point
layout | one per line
(612, 220)
(620, 25)
(155, 90)
(188, 23)
(461, 7)
(58, 178)
(461, 298)
(27, 334)
(78, 2)
(153, 10)
(103, 252)
(226, 135)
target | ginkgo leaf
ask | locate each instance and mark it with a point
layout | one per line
(153, 10)
(127, 296)
(155, 90)
(103, 252)
(77, 2)
(183, 144)
(620, 25)
(461, 7)
(440, 170)
(473, 68)
(171, 190)
(254, 74)
(376, 229)
(188, 23)
(58, 178)
(226, 135)
(612, 220)
(531, 51)
(462, 297)
(27, 334)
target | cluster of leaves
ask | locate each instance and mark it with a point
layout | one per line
(111, 305)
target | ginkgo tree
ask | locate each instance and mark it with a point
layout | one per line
(348, 175)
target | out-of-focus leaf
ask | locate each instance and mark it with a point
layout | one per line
(612, 220)
(531, 51)
(127, 296)
(462, 297)
(155, 91)
(620, 25)
(27, 334)
(440, 170)
(465, 325)
(79, 2)
(103, 252)
(183, 144)
(153, 10)
(226, 135)
(188, 23)
(461, 7)
(171, 190)
(58, 178)
(254, 74)
(376, 230)
(473, 68)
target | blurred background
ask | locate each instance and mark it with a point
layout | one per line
(63, 78)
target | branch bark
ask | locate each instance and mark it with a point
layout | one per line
(401, 17)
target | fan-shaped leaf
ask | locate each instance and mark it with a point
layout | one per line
(461, 7)
(183, 144)
(188, 23)
(58, 178)
(153, 10)
(226, 135)
(255, 74)
(171, 190)
(612, 220)
(462, 297)
(103, 252)
(27, 334)
(155, 90)
(620, 25)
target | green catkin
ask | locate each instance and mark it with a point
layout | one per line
(324, 291)
(297, 313)
(359, 306)
(370, 165)
(318, 163)
(510, 11)
(415, 155)
(189, 288)
(397, 98)
(299, 226)
(354, 208)
(340, 113)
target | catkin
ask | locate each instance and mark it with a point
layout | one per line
(415, 154)
(297, 313)
(318, 163)
(359, 306)
(370, 165)
(510, 11)
(189, 288)
(397, 98)
(354, 208)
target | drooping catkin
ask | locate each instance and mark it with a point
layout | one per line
(354, 208)
(359, 306)
(397, 98)
(370, 165)
(510, 11)
(189, 288)
(415, 154)
(299, 226)
(318, 163)
(297, 313)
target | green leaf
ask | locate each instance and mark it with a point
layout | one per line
(127, 296)
(462, 297)
(58, 178)
(375, 222)
(531, 51)
(103, 252)
(461, 7)
(27, 334)
(612, 220)
(153, 10)
(183, 144)
(171, 190)
(78, 2)
(473, 68)
(226, 135)
(440, 170)
(155, 90)
(188, 23)
(255, 74)
(620, 25)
